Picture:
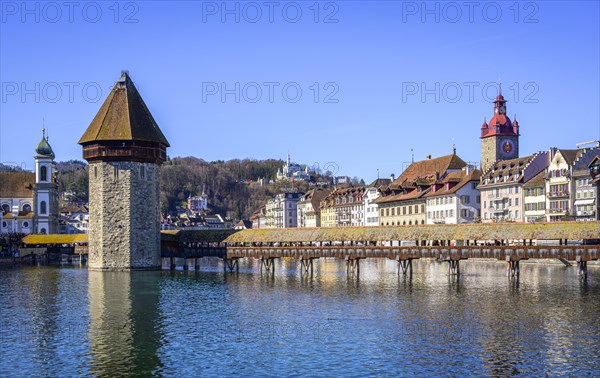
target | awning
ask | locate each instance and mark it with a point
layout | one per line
(589, 201)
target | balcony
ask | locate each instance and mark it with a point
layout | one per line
(559, 211)
(498, 210)
(126, 152)
(558, 194)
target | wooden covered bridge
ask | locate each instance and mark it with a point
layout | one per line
(511, 242)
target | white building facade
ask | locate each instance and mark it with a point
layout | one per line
(455, 199)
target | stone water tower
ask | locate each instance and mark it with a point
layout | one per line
(125, 148)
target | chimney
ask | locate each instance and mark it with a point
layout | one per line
(393, 177)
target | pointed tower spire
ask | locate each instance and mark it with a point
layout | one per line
(124, 128)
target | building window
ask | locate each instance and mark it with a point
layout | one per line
(43, 231)
(43, 173)
(95, 172)
(516, 190)
(142, 172)
(25, 224)
(43, 207)
(5, 208)
(27, 208)
(116, 172)
(4, 224)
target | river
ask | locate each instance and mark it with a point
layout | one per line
(66, 321)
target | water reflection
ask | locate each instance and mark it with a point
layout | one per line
(124, 333)
(71, 322)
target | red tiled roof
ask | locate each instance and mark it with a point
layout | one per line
(424, 172)
(461, 179)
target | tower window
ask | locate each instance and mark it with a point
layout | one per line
(5, 208)
(27, 207)
(116, 172)
(43, 173)
(95, 172)
(142, 172)
(43, 207)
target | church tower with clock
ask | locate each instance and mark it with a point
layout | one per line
(499, 138)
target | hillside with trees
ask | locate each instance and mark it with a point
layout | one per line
(233, 187)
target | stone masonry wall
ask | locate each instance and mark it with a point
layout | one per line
(124, 229)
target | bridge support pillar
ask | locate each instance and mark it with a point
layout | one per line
(306, 264)
(231, 264)
(512, 268)
(172, 264)
(268, 263)
(582, 268)
(196, 264)
(405, 266)
(352, 265)
(185, 264)
(453, 267)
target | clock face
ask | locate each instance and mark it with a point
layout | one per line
(502, 110)
(507, 147)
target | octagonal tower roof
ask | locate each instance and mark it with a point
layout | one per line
(123, 117)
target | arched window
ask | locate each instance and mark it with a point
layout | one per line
(5, 208)
(25, 224)
(27, 207)
(43, 173)
(43, 207)
(43, 231)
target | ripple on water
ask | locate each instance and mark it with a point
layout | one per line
(68, 321)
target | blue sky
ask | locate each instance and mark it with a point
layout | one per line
(222, 79)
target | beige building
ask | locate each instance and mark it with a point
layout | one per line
(534, 198)
(558, 184)
(309, 211)
(403, 201)
(343, 207)
(502, 187)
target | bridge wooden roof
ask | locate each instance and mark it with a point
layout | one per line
(195, 236)
(485, 231)
(55, 239)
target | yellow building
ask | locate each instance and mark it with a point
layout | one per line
(328, 212)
